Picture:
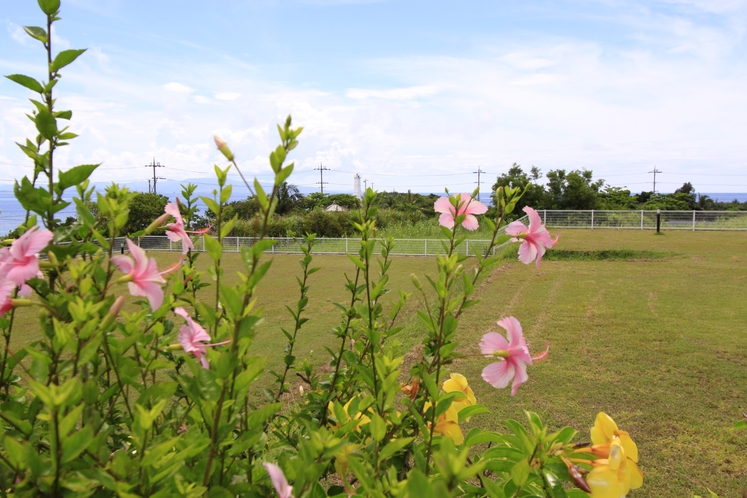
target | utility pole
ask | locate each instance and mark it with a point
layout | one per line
(654, 172)
(365, 184)
(154, 165)
(149, 191)
(321, 181)
(479, 171)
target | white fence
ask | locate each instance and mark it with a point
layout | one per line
(646, 220)
(402, 247)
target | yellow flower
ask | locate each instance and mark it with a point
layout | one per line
(604, 433)
(458, 383)
(447, 424)
(611, 477)
(341, 460)
(363, 419)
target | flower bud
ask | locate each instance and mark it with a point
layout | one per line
(416, 282)
(223, 147)
(156, 223)
(113, 312)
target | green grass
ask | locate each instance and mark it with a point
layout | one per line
(650, 329)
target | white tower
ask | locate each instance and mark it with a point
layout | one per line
(357, 186)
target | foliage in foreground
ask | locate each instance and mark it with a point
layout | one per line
(159, 402)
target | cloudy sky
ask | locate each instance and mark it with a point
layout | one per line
(409, 94)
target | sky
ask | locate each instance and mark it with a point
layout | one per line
(412, 95)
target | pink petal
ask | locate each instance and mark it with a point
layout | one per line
(172, 234)
(24, 291)
(470, 223)
(124, 263)
(535, 222)
(32, 241)
(6, 289)
(514, 333)
(278, 480)
(498, 374)
(203, 359)
(141, 260)
(22, 271)
(516, 228)
(474, 206)
(181, 312)
(527, 252)
(446, 220)
(443, 205)
(520, 378)
(173, 210)
(149, 290)
(492, 342)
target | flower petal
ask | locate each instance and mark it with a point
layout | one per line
(521, 375)
(443, 205)
(603, 430)
(498, 374)
(278, 480)
(516, 228)
(527, 252)
(535, 222)
(470, 222)
(446, 220)
(604, 483)
(492, 342)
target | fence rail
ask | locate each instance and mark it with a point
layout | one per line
(347, 245)
(646, 220)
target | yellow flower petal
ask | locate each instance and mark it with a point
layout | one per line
(604, 483)
(453, 431)
(636, 476)
(631, 450)
(603, 430)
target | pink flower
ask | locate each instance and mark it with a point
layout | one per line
(144, 278)
(513, 353)
(175, 231)
(20, 262)
(193, 337)
(467, 206)
(278, 480)
(6, 293)
(536, 238)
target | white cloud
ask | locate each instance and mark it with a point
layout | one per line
(201, 99)
(227, 95)
(394, 93)
(19, 35)
(177, 87)
(99, 55)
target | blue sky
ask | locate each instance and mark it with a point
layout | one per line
(409, 94)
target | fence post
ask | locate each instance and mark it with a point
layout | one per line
(346, 246)
(272, 250)
(171, 244)
(466, 248)
(203, 242)
(425, 247)
(544, 217)
(592, 219)
(641, 219)
(693, 220)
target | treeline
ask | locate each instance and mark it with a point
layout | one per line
(578, 190)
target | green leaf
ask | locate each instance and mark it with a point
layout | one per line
(63, 115)
(520, 472)
(46, 124)
(27, 81)
(418, 485)
(468, 411)
(742, 424)
(31, 198)
(76, 443)
(210, 203)
(65, 57)
(49, 7)
(377, 427)
(213, 247)
(76, 175)
(37, 33)
(393, 447)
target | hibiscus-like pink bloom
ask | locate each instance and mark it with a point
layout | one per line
(20, 261)
(278, 480)
(6, 295)
(536, 237)
(142, 274)
(175, 231)
(513, 353)
(466, 205)
(193, 337)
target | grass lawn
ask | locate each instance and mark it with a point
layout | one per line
(656, 339)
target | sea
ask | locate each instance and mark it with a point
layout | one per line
(12, 214)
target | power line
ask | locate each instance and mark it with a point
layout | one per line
(654, 172)
(478, 177)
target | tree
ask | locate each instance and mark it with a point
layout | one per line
(289, 198)
(144, 208)
(534, 193)
(574, 190)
